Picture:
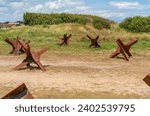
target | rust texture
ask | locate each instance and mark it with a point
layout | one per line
(124, 49)
(94, 42)
(65, 39)
(147, 80)
(31, 57)
(16, 47)
(20, 92)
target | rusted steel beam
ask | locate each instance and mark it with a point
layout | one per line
(94, 42)
(20, 92)
(65, 39)
(16, 47)
(147, 80)
(31, 57)
(124, 49)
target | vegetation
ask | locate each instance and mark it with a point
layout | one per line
(50, 19)
(100, 23)
(136, 24)
(49, 36)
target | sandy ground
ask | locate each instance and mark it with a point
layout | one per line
(78, 74)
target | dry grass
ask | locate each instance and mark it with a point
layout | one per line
(49, 36)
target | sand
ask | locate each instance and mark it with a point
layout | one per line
(79, 74)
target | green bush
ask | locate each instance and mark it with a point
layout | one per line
(136, 24)
(100, 23)
(40, 19)
(50, 19)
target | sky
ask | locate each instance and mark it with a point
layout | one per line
(116, 10)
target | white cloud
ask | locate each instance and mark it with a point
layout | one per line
(53, 5)
(38, 7)
(17, 5)
(110, 14)
(3, 10)
(106, 13)
(16, 8)
(129, 5)
(58, 4)
(83, 8)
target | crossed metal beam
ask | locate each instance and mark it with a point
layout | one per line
(124, 49)
(20, 92)
(94, 42)
(65, 39)
(16, 47)
(31, 57)
(147, 80)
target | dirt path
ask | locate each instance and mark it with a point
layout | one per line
(79, 76)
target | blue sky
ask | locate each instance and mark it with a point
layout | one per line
(117, 10)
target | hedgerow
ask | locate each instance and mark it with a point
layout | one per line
(136, 24)
(40, 19)
(58, 18)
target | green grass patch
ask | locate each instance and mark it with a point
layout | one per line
(49, 36)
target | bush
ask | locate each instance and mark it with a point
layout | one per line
(50, 19)
(100, 23)
(136, 24)
(40, 19)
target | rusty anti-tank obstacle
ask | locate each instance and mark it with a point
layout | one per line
(124, 49)
(65, 39)
(147, 80)
(20, 92)
(31, 57)
(16, 47)
(94, 42)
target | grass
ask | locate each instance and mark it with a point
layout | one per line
(49, 36)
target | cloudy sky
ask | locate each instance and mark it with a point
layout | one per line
(117, 10)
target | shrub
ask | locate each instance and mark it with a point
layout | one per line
(136, 24)
(40, 19)
(50, 19)
(100, 23)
